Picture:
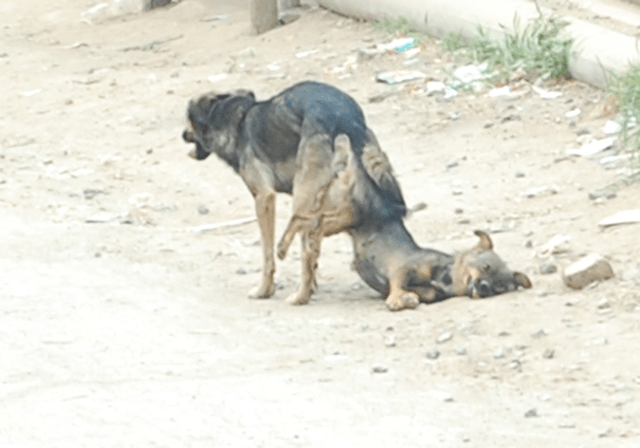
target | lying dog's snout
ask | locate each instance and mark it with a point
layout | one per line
(483, 288)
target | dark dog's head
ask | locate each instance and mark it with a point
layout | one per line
(213, 120)
(480, 272)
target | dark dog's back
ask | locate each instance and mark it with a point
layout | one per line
(276, 126)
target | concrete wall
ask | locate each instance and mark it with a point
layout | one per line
(601, 51)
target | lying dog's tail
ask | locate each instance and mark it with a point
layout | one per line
(378, 168)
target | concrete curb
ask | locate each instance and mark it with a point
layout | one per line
(600, 51)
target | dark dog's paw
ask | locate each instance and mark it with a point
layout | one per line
(262, 291)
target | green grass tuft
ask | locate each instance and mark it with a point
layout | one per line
(626, 89)
(541, 48)
(399, 27)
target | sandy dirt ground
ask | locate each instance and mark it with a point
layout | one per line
(119, 326)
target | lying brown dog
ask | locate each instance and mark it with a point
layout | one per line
(386, 256)
(285, 145)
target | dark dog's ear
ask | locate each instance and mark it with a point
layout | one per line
(200, 110)
(522, 280)
(485, 242)
(244, 92)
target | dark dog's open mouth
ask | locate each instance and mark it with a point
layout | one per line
(198, 152)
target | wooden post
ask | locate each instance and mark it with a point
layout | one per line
(264, 15)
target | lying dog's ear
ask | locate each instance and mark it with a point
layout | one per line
(522, 280)
(485, 242)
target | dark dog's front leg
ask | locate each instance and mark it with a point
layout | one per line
(265, 211)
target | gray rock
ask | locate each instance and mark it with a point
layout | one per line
(588, 269)
(548, 267)
(379, 369)
(533, 412)
(549, 353)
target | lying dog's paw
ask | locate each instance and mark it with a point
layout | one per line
(262, 291)
(402, 300)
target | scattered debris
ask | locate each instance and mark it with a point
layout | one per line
(304, 54)
(499, 92)
(30, 93)
(102, 218)
(556, 245)
(221, 225)
(218, 77)
(390, 341)
(605, 193)
(534, 192)
(216, 18)
(588, 269)
(622, 217)
(472, 76)
(444, 337)
(153, 44)
(379, 97)
(592, 148)
(435, 87)
(573, 113)
(399, 76)
(545, 94)
(612, 127)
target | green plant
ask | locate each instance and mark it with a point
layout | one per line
(540, 48)
(452, 42)
(626, 89)
(398, 27)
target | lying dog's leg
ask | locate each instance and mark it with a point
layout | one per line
(399, 298)
(265, 211)
(310, 253)
(309, 188)
(296, 224)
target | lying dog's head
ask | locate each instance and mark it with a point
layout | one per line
(212, 123)
(480, 272)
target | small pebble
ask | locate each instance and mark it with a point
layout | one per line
(549, 353)
(533, 412)
(379, 369)
(519, 174)
(452, 163)
(444, 337)
(203, 210)
(433, 354)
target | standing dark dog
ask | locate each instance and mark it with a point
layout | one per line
(386, 256)
(286, 145)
